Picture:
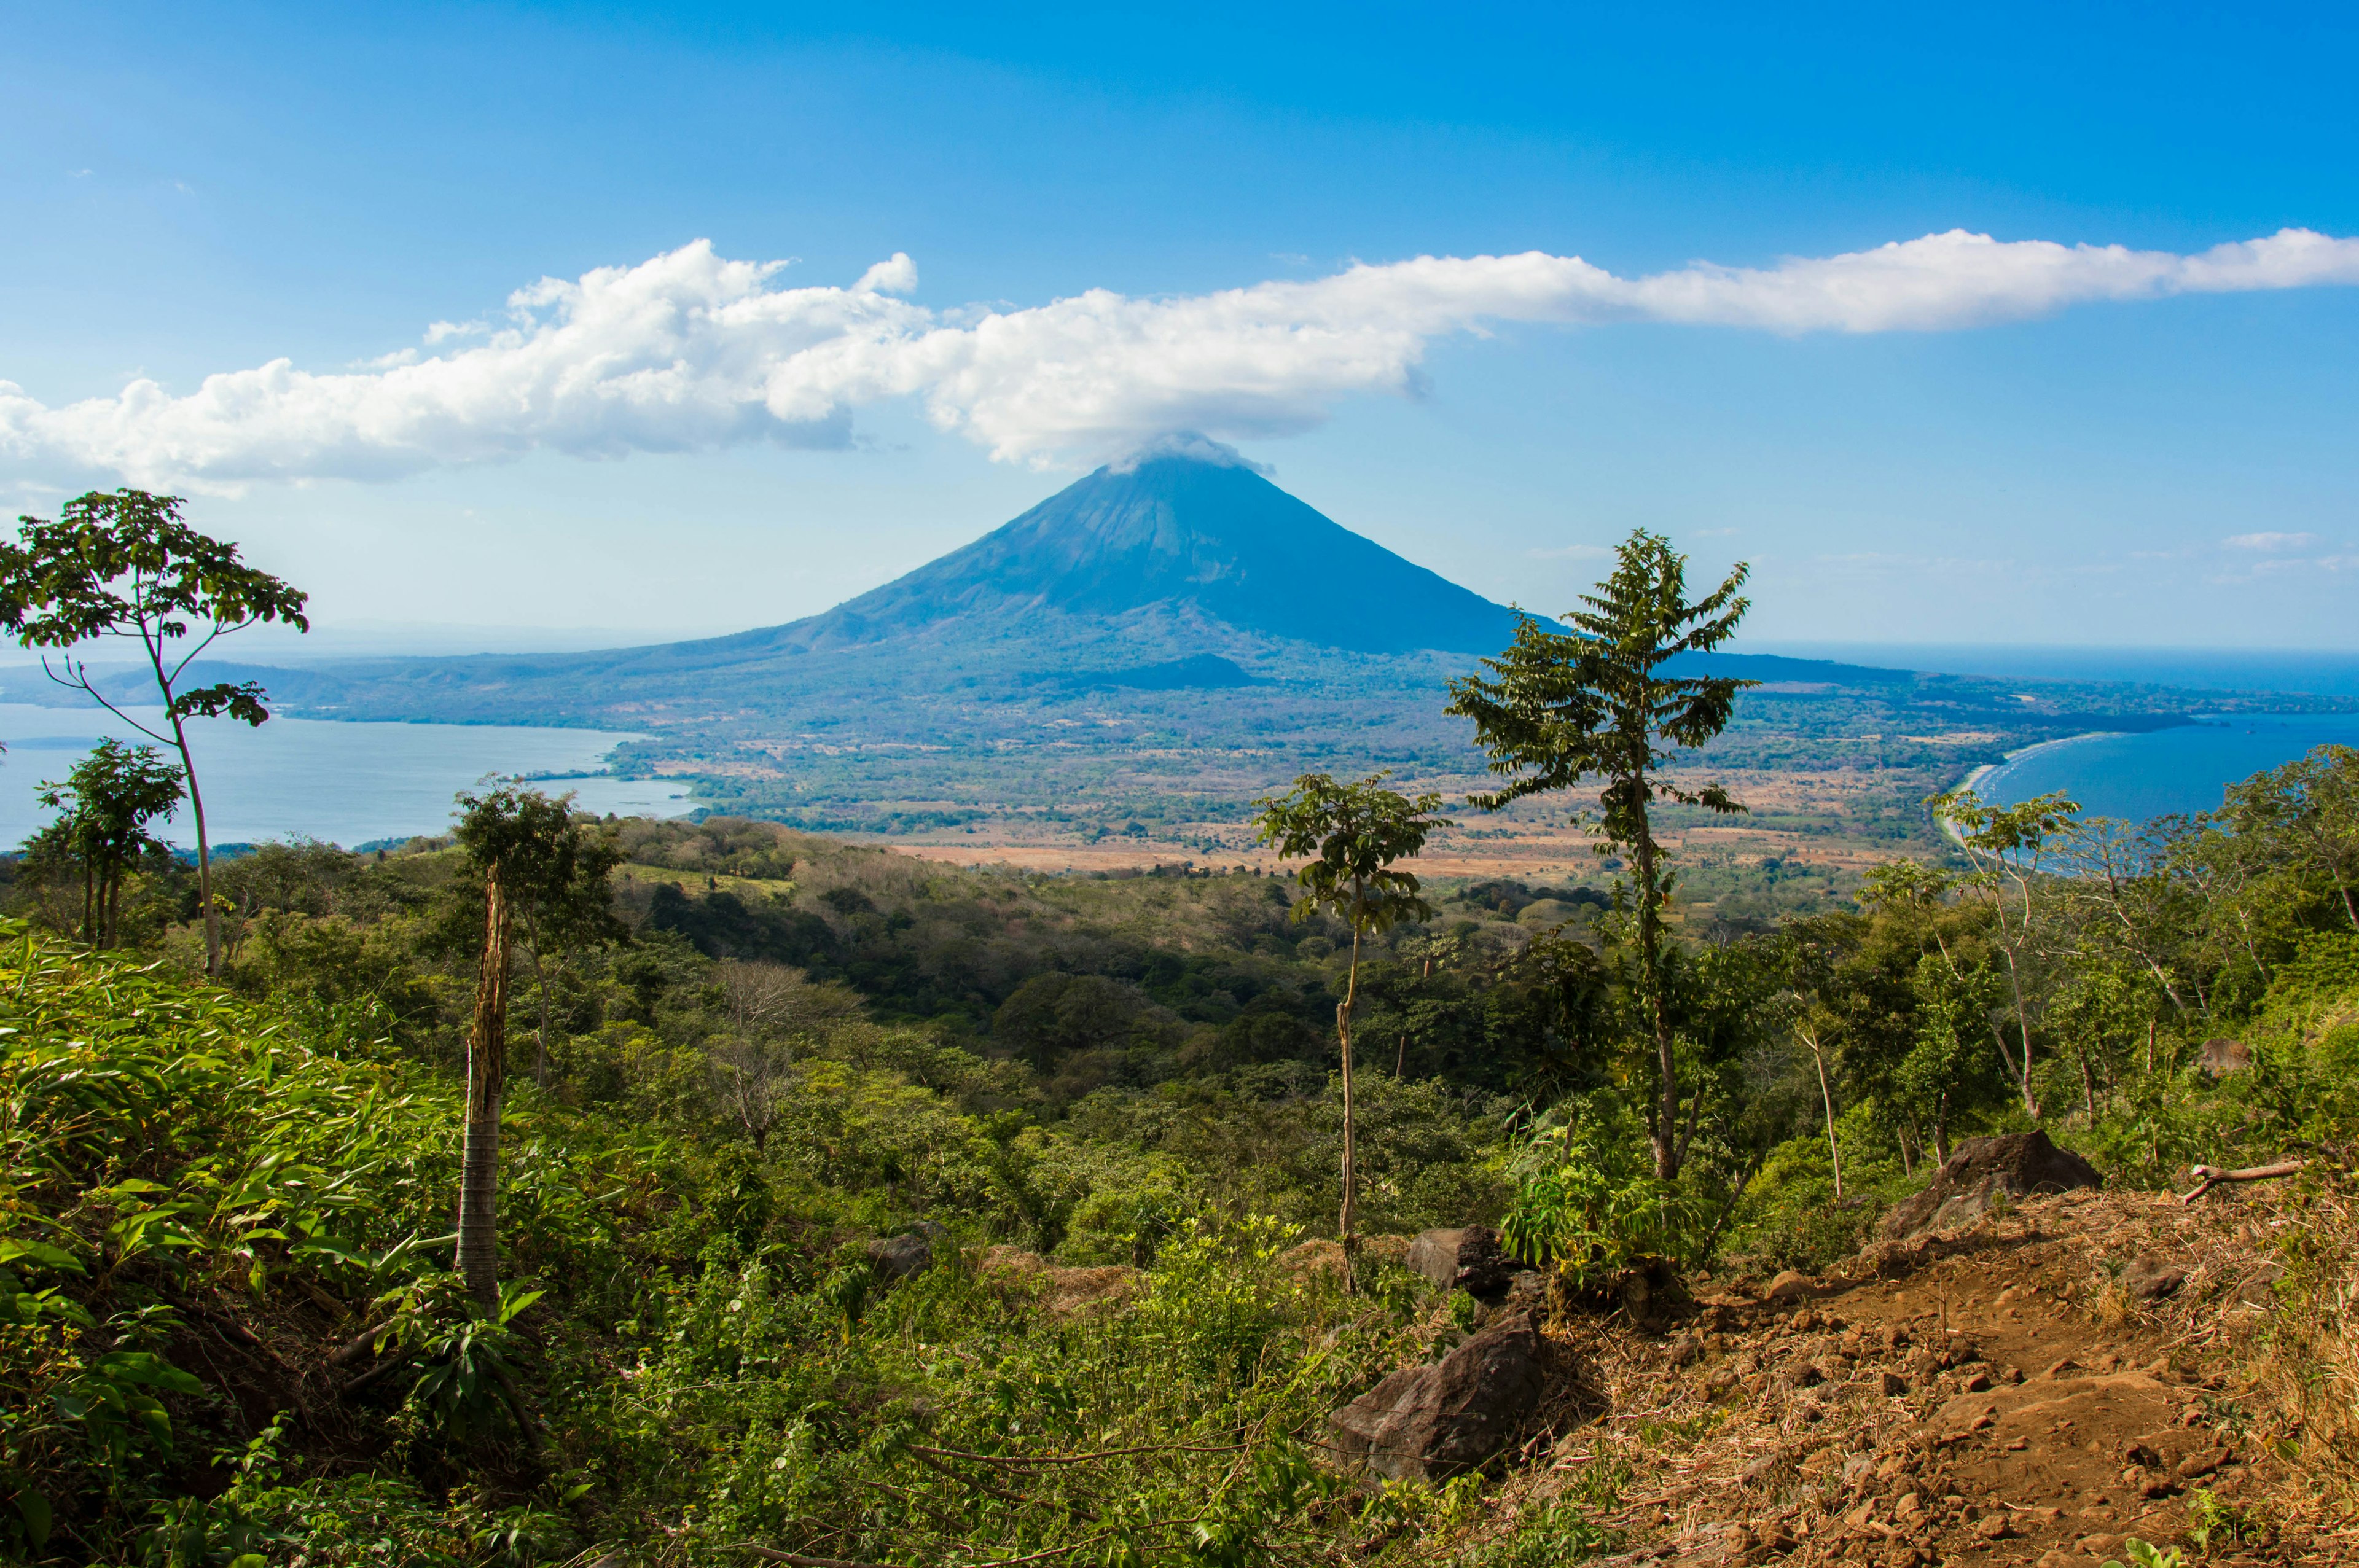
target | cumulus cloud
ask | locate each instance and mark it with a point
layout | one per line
(690, 350)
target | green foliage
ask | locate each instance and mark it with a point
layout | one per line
(1350, 836)
(2219, 1522)
(2145, 1554)
(1590, 1203)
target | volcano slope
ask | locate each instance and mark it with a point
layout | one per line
(2000, 1394)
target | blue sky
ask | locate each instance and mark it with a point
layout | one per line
(2159, 454)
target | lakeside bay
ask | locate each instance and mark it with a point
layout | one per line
(346, 782)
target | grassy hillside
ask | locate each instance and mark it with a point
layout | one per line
(1104, 1106)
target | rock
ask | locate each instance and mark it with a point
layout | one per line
(1978, 1384)
(1805, 1376)
(2195, 1466)
(1468, 1258)
(2220, 1056)
(2020, 1165)
(1894, 1385)
(2101, 1546)
(1430, 1423)
(908, 1254)
(1994, 1527)
(1790, 1286)
(2150, 1280)
(1684, 1350)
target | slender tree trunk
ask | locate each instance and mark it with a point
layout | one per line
(2349, 908)
(113, 904)
(1827, 1097)
(478, 1254)
(1349, 1218)
(2088, 1083)
(90, 898)
(1651, 955)
(2023, 1024)
(204, 849)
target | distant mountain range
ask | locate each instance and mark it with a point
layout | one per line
(1184, 569)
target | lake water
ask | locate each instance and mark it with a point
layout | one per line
(2137, 777)
(348, 784)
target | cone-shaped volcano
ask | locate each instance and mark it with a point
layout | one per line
(1193, 529)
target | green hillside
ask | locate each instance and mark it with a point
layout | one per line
(234, 1337)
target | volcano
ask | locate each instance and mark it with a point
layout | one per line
(1181, 569)
(1187, 533)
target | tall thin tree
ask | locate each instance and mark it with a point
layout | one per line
(122, 564)
(1560, 708)
(1351, 837)
(532, 856)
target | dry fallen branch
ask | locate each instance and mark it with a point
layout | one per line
(2208, 1176)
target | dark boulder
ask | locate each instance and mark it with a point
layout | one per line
(908, 1254)
(1429, 1423)
(2019, 1164)
(1468, 1257)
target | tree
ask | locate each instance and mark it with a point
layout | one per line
(1354, 834)
(769, 1006)
(104, 807)
(123, 564)
(2307, 812)
(533, 858)
(2008, 846)
(1561, 707)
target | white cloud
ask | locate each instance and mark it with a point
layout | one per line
(689, 349)
(2269, 541)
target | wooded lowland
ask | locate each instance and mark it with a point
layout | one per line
(576, 1191)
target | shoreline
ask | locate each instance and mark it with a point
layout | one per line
(1973, 781)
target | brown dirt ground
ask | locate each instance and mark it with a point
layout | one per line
(1992, 1395)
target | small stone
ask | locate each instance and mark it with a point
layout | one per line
(2059, 1368)
(1978, 1384)
(2138, 1453)
(2150, 1280)
(1790, 1286)
(1907, 1506)
(2202, 1464)
(1994, 1527)
(2101, 1546)
(1894, 1385)
(1805, 1376)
